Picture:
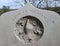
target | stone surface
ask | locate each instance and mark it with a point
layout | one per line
(49, 19)
(29, 29)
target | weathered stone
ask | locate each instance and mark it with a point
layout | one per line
(49, 19)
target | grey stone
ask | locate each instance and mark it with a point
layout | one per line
(49, 19)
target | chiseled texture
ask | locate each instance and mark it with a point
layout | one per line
(49, 19)
(29, 29)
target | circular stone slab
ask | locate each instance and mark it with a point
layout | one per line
(29, 29)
